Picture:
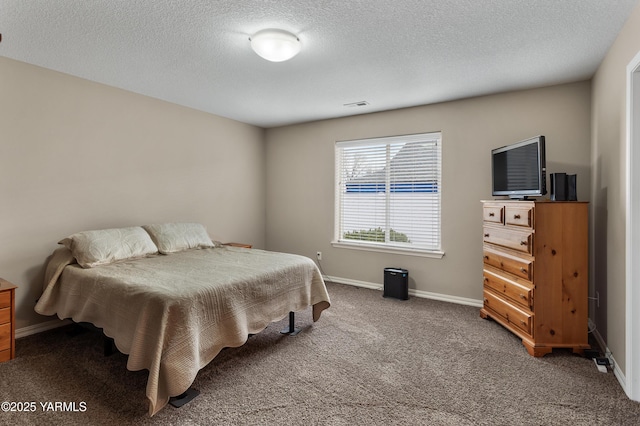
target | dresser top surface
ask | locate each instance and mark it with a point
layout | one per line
(545, 201)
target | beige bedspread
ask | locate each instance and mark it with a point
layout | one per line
(174, 313)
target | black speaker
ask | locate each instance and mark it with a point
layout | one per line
(572, 194)
(558, 186)
(396, 283)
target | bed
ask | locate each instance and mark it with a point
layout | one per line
(172, 299)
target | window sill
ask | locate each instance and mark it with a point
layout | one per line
(387, 249)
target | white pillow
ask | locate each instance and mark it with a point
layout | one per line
(173, 237)
(93, 248)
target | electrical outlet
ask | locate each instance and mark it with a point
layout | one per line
(319, 255)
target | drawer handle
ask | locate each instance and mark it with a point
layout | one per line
(516, 216)
(523, 322)
(523, 270)
(523, 297)
(486, 257)
(492, 214)
(524, 243)
(486, 235)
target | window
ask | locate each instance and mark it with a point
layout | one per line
(388, 193)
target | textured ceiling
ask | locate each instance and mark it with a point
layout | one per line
(391, 54)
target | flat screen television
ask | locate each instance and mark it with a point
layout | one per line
(519, 170)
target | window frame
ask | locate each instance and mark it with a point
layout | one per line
(386, 247)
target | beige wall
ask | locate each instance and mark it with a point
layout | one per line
(609, 185)
(300, 178)
(77, 155)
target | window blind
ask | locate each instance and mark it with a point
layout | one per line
(388, 191)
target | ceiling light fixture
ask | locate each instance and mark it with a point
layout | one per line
(275, 45)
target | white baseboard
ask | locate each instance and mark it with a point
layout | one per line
(417, 293)
(604, 348)
(355, 283)
(40, 327)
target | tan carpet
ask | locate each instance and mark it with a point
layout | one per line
(368, 361)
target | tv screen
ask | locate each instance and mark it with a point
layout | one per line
(519, 170)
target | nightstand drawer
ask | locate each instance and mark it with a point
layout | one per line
(507, 312)
(5, 337)
(5, 299)
(7, 319)
(5, 315)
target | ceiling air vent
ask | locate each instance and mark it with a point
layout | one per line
(356, 104)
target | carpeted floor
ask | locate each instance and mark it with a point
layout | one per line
(367, 361)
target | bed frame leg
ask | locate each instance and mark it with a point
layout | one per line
(183, 398)
(291, 330)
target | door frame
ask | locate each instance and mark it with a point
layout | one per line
(632, 327)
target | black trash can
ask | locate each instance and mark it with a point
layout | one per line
(396, 283)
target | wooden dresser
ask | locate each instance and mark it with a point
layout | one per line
(536, 272)
(7, 320)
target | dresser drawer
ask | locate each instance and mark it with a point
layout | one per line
(519, 216)
(5, 315)
(510, 314)
(493, 213)
(518, 292)
(5, 337)
(5, 299)
(514, 239)
(522, 268)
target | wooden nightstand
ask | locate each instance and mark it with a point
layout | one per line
(7, 320)
(243, 245)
